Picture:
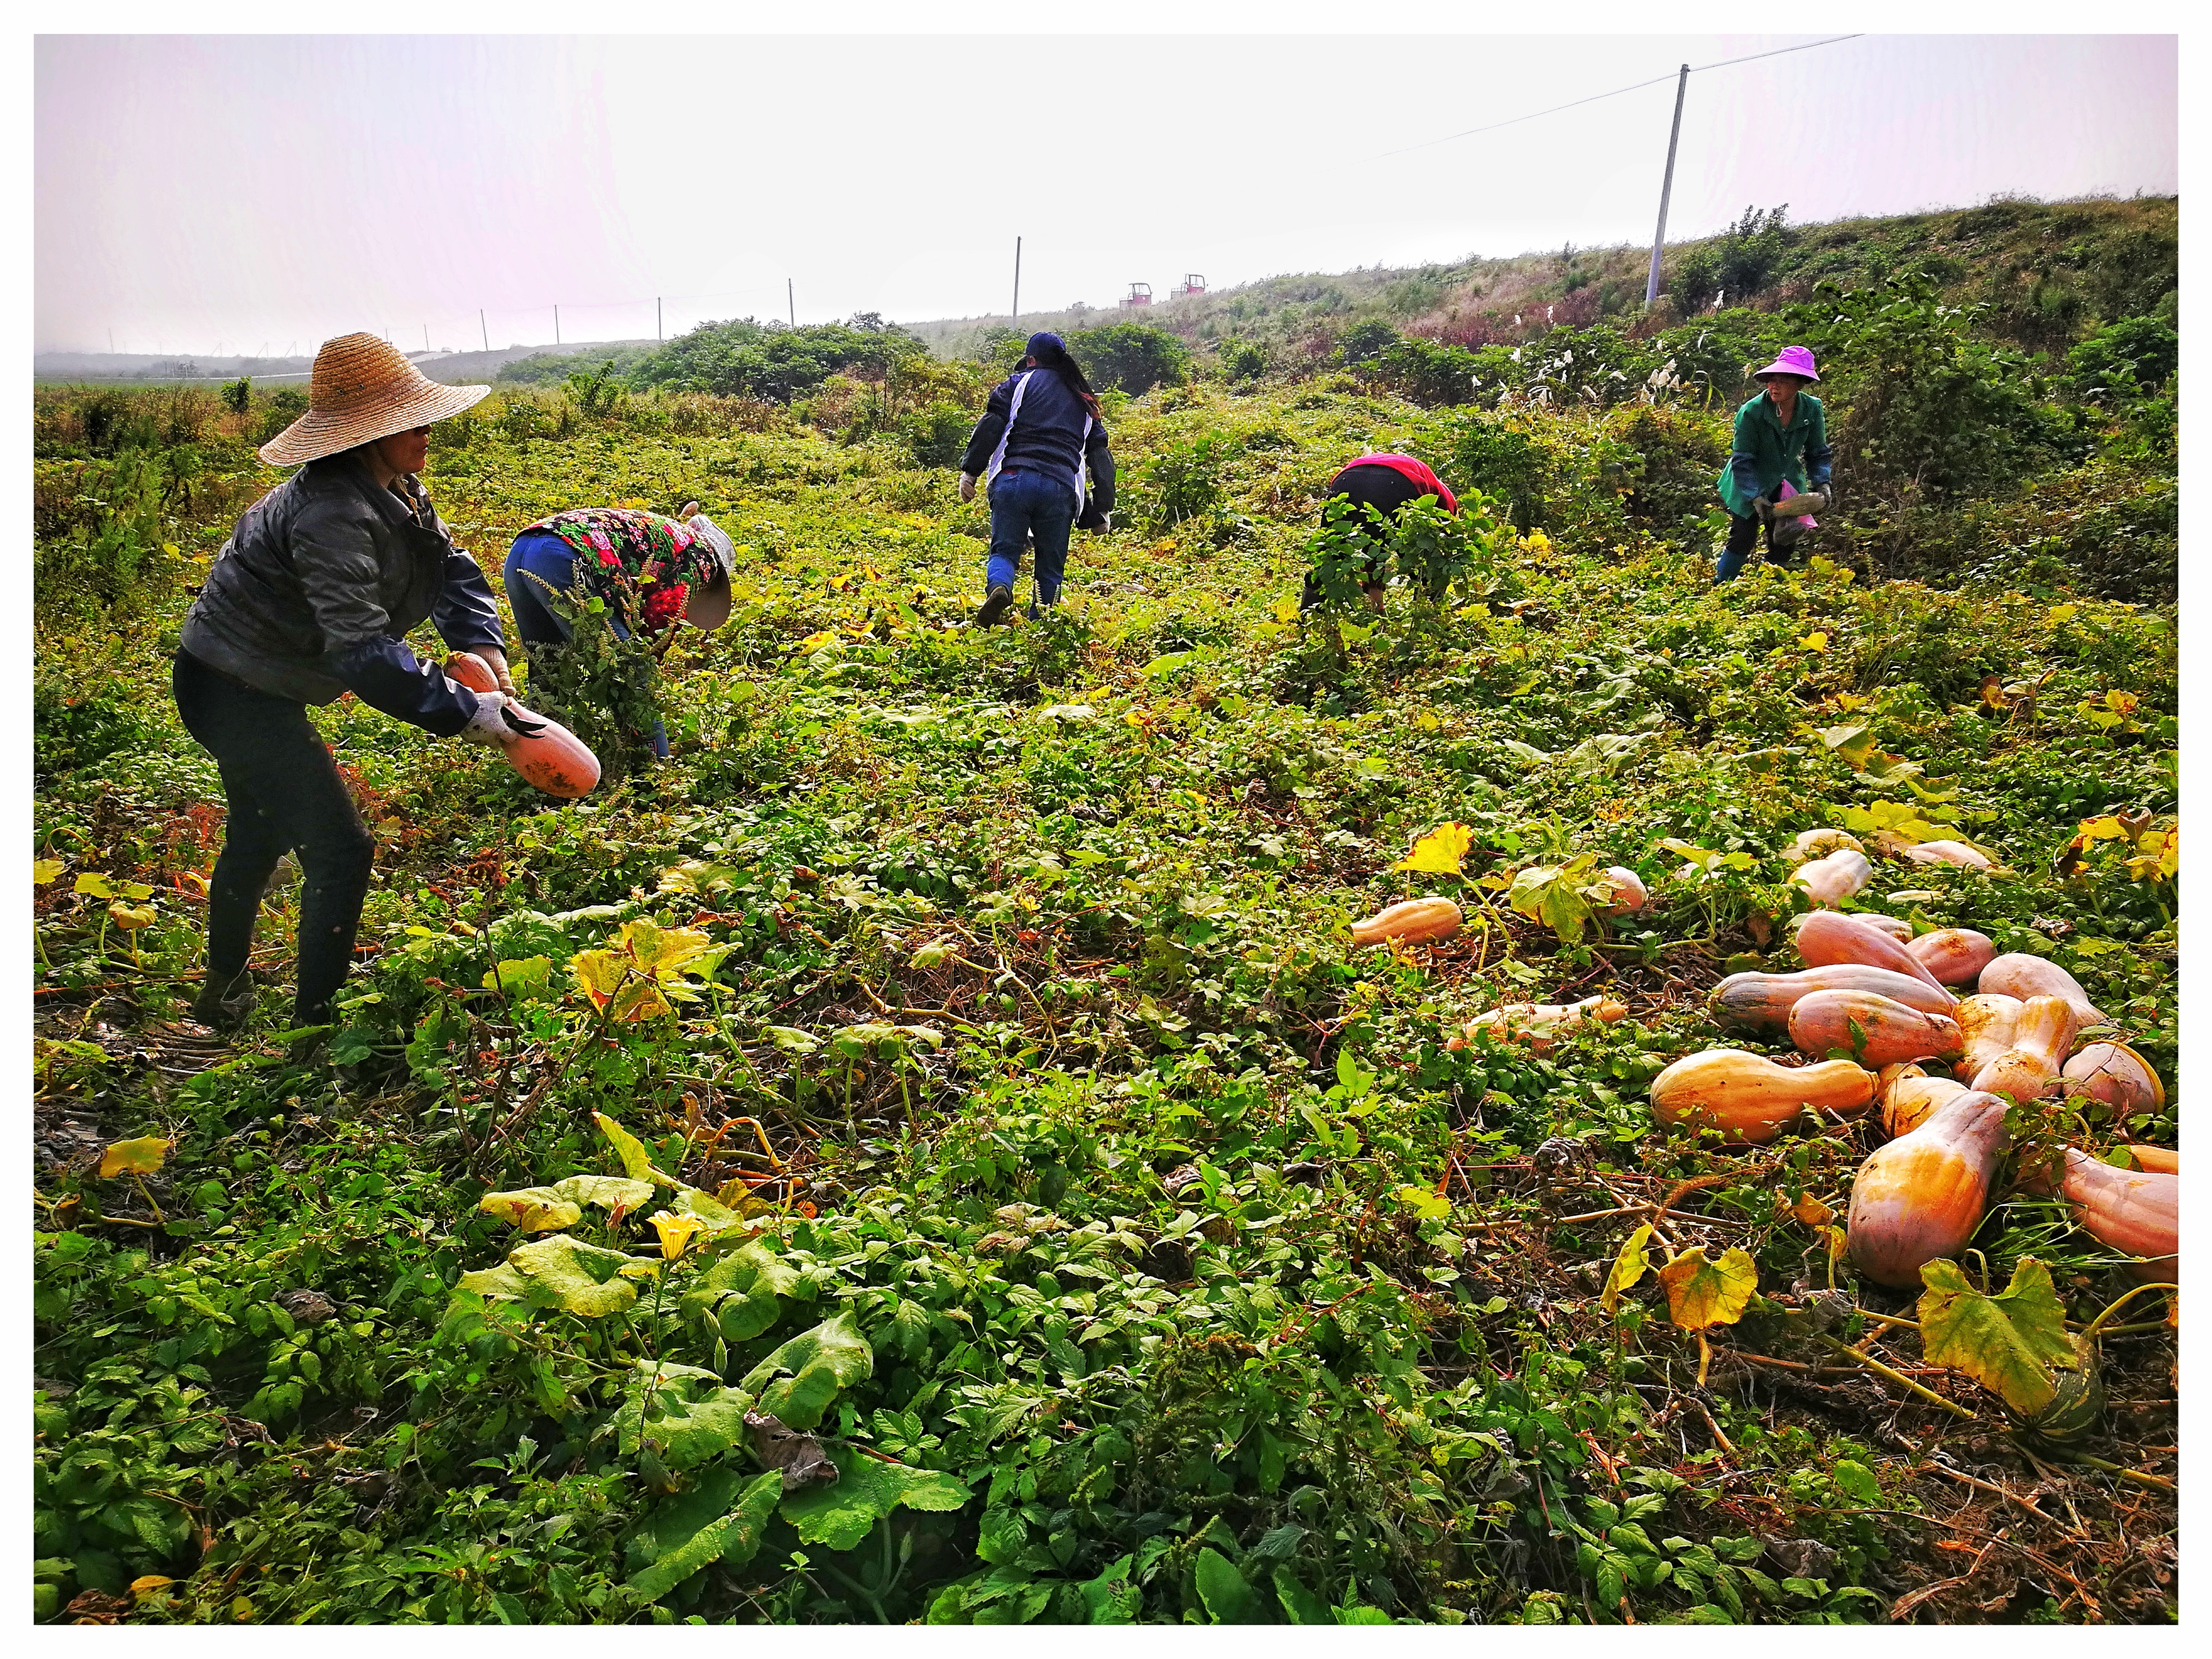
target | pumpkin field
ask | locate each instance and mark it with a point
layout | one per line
(964, 1140)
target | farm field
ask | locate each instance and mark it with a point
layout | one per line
(982, 1081)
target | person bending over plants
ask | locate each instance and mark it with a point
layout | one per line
(1389, 483)
(312, 597)
(1040, 435)
(1781, 437)
(646, 571)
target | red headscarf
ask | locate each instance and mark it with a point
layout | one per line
(1415, 471)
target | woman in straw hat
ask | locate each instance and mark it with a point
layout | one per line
(310, 598)
(1781, 454)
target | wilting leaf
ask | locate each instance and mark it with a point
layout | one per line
(1628, 1268)
(792, 1040)
(612, 981)
(524, 980)
(1810, 1211)
(832, 1356)
(636, 1161)
(684, 1541)
(533, 1209)
(45, 872)
(792, 1453)
(1852, 743)
(1440, 851)
(1701, 1294)
(2007, 1342)
(698, 877)
(841, 1513)
(1561, 896)
(1229, 1599)
(141, 1156)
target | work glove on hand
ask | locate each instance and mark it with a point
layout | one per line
(1762, 508)
(967, 486)
(495, 659)
(497, 724)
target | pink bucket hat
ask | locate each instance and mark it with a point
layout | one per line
(1790, 360)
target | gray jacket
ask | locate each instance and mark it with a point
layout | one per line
(312, 594)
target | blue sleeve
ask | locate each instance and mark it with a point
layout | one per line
(392, 679)
(983, 443)
(466, 615)
(1819, 457)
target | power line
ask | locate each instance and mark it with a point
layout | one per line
(1597, 98)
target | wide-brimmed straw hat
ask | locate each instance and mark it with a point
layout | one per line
(1790, 360)
(363, 389)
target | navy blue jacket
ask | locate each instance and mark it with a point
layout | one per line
(313, 594)
(1046, 439)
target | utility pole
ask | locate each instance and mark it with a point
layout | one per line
(1666, 188)
(1018, 281)
(426, 337)
(111, 343)
(485, 327)
(791, 301)
(556, 325)
(660, 333)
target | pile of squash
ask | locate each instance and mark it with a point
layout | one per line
(1870, 987)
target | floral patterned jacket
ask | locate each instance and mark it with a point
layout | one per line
(619, 548)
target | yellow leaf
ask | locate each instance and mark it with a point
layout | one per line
(1439, 852)
(45, 872)
(2104, 829)
(1816, 640)
(94, 883)
(131, 919)
(1628, 1268)
(637, 1163)
(2120, 702)
(532, 1209)
(1810, 1211)
(1287, 611)
(676, 1232)
(1701, 1294)
(141, 1156)
(242, 1610)
(2061, 614)
(142, 1588)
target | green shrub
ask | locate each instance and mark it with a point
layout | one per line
(1131, 358)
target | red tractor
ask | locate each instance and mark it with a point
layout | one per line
(1140, 293)
(1191, 285)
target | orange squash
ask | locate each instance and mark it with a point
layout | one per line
(1825, 937)
(1834, 879)
(1751, 1099)
(2135, 1211)
(2118, 1076)
(466, 668)
(1539, 1024)
(1920, 1197)
(553, 758)
(1762, 1002)
(1955, 956)
(2041, 1037)
(1891, 1031)
(1910, 1098)
(1629, 894)
(1410, 920)
(2024, 976)
(1896, 927)
(2159, 1160)
(1986, 1023)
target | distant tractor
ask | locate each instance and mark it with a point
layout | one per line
(1191, 285)
(1140, 293)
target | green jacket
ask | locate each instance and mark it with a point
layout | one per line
(1765, 453)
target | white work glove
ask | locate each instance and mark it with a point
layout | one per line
(496, 725)
(1105, 523)
(495, 659)
(967, 486)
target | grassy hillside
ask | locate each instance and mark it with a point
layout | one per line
(996, 1096)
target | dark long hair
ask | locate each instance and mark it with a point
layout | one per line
(1056, 359)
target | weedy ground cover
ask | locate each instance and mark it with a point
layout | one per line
(952, 1069)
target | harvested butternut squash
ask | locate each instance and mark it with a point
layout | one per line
(1834, 879)
(1910, 1098)
(2116, 1075)
(2041, 1038)
(2019, 974)
(1811, 844)
(2159, 1160)
(1880, 1031)
(1986, 1023)
(1825, 937)
(1921, 1196)
(1628, 891)
(1410, 922)
(1751, 1099)
(1539, 1024)
(2135, 1211)
(1762, 1002)
(1946, 852)
(1955, 956)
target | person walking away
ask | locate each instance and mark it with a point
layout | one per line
(681, 566)
(310, 597)
(1388, 483)
(1781, 436)
(1040, 434)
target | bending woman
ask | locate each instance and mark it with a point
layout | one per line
(310, 598)
(680, 566)
(1781, 436)
(1039, 435)
(1389, 483)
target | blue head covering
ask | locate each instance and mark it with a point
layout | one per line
(1040, 344)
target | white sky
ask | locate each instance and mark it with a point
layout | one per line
(249, 192)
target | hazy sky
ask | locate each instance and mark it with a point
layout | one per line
(251, 192)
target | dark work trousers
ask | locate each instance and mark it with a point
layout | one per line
(1743, 538)
(284, 795)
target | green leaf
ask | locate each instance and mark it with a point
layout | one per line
(1300, 1604)
(2007, 1343)
(1111, 1597)
(843, 1512)
(734, 1539)
(1229, 1599)
(1856, 1481)
(1360, 1615)
(832, 1356)
(526, 979)
(608, 1192)
(577, 1278)
(532, 1209)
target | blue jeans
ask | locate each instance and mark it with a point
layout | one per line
(541, 553)
(1028, 503)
